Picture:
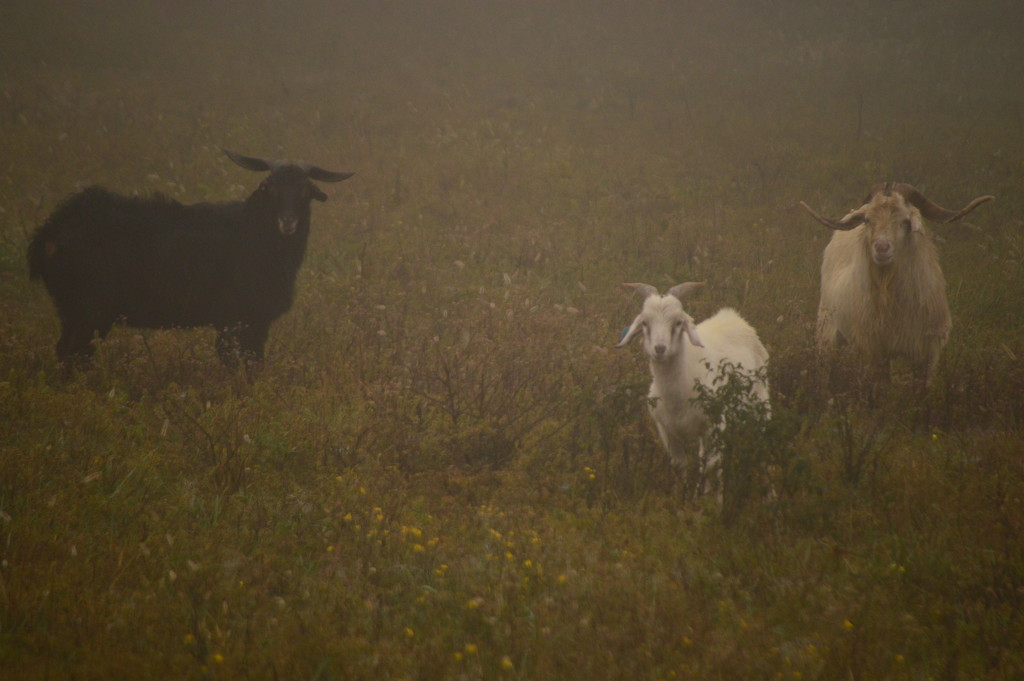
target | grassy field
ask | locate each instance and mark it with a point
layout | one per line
(444, 470)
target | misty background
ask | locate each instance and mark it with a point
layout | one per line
(690, 88)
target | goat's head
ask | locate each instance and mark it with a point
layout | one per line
(891, 213)
(662, 321)
(289, 186)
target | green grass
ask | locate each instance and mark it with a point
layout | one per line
(444, 470)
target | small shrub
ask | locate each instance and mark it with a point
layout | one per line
(757, 459)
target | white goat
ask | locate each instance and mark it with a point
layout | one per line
(882, 289)
(677, 365)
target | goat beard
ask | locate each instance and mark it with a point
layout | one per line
(882, 279)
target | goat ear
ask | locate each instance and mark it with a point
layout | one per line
(321, 175)
(632, 332)
(250, 162)
(317, 194)
(852, 219)
(691, 331)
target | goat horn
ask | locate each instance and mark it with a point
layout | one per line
(318, 173)
(646, 290)
(844, 224)
(933, 211)
(251, 162)
(680, 290)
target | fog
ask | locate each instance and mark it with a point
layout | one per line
(444, 470)
(307, 77)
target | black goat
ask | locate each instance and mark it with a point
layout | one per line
(155, 263)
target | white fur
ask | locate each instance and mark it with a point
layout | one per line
(680, 356)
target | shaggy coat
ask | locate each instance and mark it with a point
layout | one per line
(156, 263)
(882, 289)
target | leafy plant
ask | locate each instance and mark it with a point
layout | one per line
(751, 448)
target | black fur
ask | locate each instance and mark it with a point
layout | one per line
(156, 263)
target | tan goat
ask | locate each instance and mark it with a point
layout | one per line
(882, 289)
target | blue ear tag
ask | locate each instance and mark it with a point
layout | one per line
(623, 334)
